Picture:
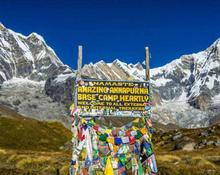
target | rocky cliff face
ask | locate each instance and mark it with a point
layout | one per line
(116, 70)
(26, 62)
(190, 84)
(27, 57)
(27, 97)
(191, 78)
(186, 91)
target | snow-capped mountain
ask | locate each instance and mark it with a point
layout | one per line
(27, 57)
(26, 62)
(34, 81)
(116, 70)
(183, 79)
(191, 83)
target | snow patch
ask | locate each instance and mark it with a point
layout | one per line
(216, 98)
(210, 83)
(20, 81)
(23, 46)
(41, 54)
(63, 77)
(4, 43)
(56, 60)
(161, 81)
(2, 74)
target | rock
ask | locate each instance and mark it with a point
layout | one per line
(217, 143)
(211, 130)
(185, 138)
(204, 142)
(61, 91)
(199, 146)
(186, 146)
(178, 136)
(210, 142)
(160, 132)
(204, 133)
(23, 93)
(189, 146)
(16, 102)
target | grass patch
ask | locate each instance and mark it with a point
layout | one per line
(21, 133)
(28, 145)
(37, 164)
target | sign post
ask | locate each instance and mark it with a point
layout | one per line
(98, 148)
(78, 72)
(79, 61)
(147, 64)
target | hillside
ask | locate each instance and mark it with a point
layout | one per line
(43, 148)
(22, 133)
(188, 151)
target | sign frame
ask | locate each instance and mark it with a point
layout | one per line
(78, 77)
(115, 113)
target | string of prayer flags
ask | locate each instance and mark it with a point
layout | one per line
(107, 150)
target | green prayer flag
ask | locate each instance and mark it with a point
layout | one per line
(103, 137)
(140, 168)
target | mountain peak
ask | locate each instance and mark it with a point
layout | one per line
(36, 36)
(2, 26)
(139, 66)
(117, 61)
(32, 57)
(100, 62)
(217, 42)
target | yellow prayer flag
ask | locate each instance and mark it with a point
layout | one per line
(83, 120)
(108, 131)
(108, 168)
(72, 107)
(143, 130)
(134, 128)
(110, 140)
(136, 120)
(115, 148)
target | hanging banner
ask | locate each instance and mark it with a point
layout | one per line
(115, 98)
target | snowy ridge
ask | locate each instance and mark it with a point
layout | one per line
(27, 57)
(116, 70)
(183, 77)
(186, 91)
(191, 80)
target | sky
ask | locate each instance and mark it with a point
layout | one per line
(117, 28)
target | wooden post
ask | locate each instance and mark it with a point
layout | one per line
(79, 62)
(147, 64)
(78, 72)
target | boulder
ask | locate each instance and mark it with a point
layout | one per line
(177, 136)
(204, 133)
(211, 142)
(186, 146)
(217, 143)
(189, 146)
